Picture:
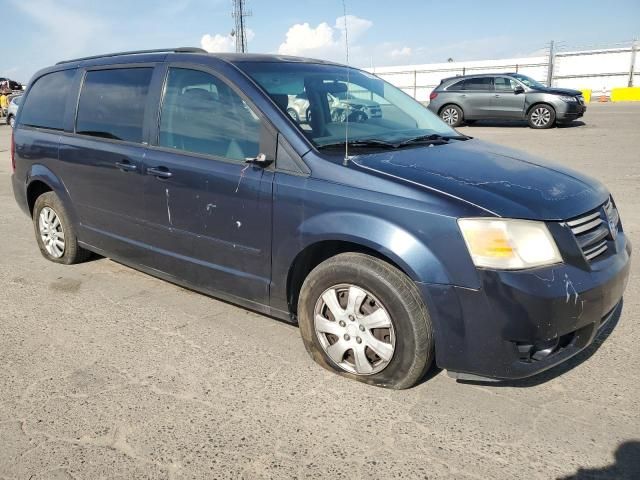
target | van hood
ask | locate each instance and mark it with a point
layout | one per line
(500, 180)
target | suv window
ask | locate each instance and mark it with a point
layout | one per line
(457, 86)
(504, 84)
(202, 114)
(45, 104)
(112, 103)
(479, 83)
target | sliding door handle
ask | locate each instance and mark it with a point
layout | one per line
(159, 172)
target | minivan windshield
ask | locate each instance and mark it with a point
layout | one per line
(528, 81)
(325, 100)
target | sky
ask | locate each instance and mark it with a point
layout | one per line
(38, 33)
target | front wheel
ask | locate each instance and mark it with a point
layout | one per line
(541, 116)
(364, 319)
(12, 121)
(293, 114)
(452, 115)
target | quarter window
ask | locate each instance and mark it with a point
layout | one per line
(112, 103)
(202, 114)
(479, 83)
(457, 86)
(45, 104)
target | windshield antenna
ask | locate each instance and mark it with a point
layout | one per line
(346, 43)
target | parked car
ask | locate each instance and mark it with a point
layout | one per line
(509, 96)
(12, 111)
(342, 106)
(393, 244)
(11, 84)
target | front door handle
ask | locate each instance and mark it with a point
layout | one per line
(497, 95)
(126, 166)
(159, 172)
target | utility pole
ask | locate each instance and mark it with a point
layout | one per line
(240, 34)
(552, 54)
(634, 50)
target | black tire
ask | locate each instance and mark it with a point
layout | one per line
(541, 116)
(11, 120)
(452, 115)
(294, 115)
(308, 115)
(414, 345)
(72, 252)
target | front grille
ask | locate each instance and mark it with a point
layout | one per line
(593, 230)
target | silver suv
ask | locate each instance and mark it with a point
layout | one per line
(507, 96)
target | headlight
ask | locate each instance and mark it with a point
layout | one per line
(505, 244)
(569, 99)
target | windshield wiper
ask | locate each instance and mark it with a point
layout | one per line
(366, 143)
(431, 138)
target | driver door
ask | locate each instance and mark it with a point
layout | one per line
(209, 210)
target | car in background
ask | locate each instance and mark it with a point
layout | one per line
(342, 106)
(504, 96)
(12, 111)
(11, 84)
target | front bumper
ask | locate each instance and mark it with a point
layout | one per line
(521, 323)
(570, 111)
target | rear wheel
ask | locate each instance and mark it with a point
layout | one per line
(452, 115)
(55, 234)
(12, 121)
(364, 319)
(541, 116)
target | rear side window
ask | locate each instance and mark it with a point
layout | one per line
(202, 114)
(46, 101)
(457, 86)
(112, 103)
(479, 83)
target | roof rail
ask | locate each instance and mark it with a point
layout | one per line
(134, 52)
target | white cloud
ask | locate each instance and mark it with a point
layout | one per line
(222, 43)
(324, 40)
(401, 52)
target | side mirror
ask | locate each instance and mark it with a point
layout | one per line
(260, 160)
(518, 90)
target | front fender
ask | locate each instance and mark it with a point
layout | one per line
(390, 240)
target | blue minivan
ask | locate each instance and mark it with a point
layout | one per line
(393, 241)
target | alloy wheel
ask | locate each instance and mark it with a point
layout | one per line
(450, 116)
(541, 116)
(354, 329)
(51, 232)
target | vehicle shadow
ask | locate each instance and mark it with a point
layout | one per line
(565, 366)
(517, 124)
(626, 466)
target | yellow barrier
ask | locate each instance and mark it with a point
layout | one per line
(625, 94)
(586, 93)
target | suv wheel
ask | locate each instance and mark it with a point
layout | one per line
(55, 234)
(541, 116)
(452, 115)
(293, 114)
(364, 319)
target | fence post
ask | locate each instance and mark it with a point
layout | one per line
(550, 64)
(415, 84)
(634, 49)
